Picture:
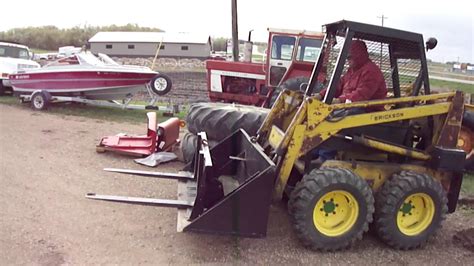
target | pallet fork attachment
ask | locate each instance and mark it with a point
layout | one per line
(229, 191)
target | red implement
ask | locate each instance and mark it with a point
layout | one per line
(158, 138)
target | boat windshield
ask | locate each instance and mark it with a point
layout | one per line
(106, 59)
(89, 59)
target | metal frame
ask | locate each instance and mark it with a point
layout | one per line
(350, 30)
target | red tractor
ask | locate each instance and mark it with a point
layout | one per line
(289, 62)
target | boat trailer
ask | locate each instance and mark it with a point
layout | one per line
(41, 99)
(229, 192)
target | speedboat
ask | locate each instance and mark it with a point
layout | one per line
(87, 76)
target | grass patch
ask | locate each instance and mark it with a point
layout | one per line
(94, 112)
(258, 58)
(9, 100)
(452, 85)
(468, 184)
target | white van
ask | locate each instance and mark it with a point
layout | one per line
(67, 51)
(13, 57)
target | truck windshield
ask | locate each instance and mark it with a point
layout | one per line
(15, 52)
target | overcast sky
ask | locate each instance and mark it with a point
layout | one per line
(450, 22)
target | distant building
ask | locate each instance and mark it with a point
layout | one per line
(457, 68)
(145, 44)
(470, 70)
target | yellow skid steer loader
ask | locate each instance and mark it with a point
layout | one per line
(397, 164)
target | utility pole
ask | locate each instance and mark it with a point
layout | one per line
(382, 18)
(381, 44)
(235, 32)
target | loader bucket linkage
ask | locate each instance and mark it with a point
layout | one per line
(229, 191)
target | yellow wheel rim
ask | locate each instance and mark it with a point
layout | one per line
(415, 214)
(335, 213)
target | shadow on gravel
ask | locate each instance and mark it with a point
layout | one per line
(465, 238)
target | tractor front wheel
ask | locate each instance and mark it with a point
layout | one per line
(331, 208)
(409, 209)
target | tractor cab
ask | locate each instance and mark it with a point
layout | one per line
(291, 53)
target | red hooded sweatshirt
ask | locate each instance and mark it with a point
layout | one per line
(363, 81)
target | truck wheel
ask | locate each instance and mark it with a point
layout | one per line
(161, 84)
(40, 100)
(293, 84)
(220, 120)
(189, 144)
(331, 208)
(2, 88)
(409, 209)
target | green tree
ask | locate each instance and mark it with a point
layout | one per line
(51, 37)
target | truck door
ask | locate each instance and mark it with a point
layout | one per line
(280, 55)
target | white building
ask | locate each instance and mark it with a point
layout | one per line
(145, 44)
(470, 70)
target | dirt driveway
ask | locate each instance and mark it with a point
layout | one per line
(48, 162)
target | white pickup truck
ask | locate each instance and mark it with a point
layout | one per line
(13, 57)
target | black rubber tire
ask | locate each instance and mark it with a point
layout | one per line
(468, 119)
(293, 84)
(315, 185)
(164, 81)
(469, 165)
(2, 88)
(219, 120)
(40, 100)
(188, 146)
(389, 200)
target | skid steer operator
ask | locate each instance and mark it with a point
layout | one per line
(363, 81)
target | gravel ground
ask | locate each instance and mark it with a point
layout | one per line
(48, 162)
